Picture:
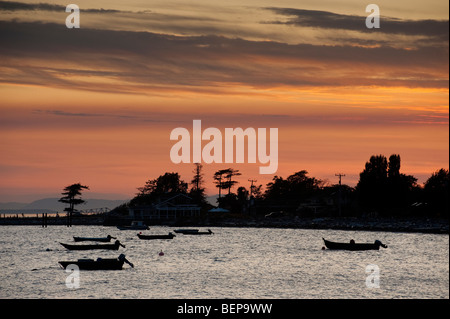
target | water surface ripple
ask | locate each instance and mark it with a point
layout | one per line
(233, 263)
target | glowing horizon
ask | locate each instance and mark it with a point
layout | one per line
(96, 105)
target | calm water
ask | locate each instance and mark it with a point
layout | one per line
(233, 263)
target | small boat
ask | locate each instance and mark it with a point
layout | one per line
(353, 246)
(99, 264)
(168, 236)
(209, 232)
(135, 225)
(185, 230)
(114, 246)
(99, 239)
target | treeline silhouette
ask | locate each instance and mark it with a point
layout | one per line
(382, 190)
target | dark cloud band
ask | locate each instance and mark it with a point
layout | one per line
(330, 20)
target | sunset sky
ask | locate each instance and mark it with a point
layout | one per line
(96, 105)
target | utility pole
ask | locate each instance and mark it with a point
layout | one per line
(251, 201)
(340, 176)
(251, 187)
(339, 191)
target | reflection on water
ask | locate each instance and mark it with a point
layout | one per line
(232, 263)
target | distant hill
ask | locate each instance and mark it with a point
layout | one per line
(52, 204)
(12, 205)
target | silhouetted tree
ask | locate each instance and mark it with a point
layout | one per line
(229, 182)
(70, 197)
(256, 192)
(293, 190)
(383, 188)
(372, 185)
(401, 188)
(169, 183)
(218, 180)
(394, 166)
(197, 191)
(242, 199)
(224, 179)
(277, 189)
(300, 183)
(236, 203)
(436, 190)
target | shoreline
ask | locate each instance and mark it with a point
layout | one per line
(385, 225)
(407, 225)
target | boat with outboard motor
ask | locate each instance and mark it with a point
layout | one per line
(168, 236)
(197, 232)
(99, 264)
(99, 239)
(185, 230)
(114, 246)
(135, 225)
(353, 246)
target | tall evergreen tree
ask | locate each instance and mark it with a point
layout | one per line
(197, 191)
(436, 190)
(383, 188)
(70, 197)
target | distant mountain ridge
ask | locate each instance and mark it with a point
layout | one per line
(53, 205)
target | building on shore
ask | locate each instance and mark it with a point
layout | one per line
(172, 208)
